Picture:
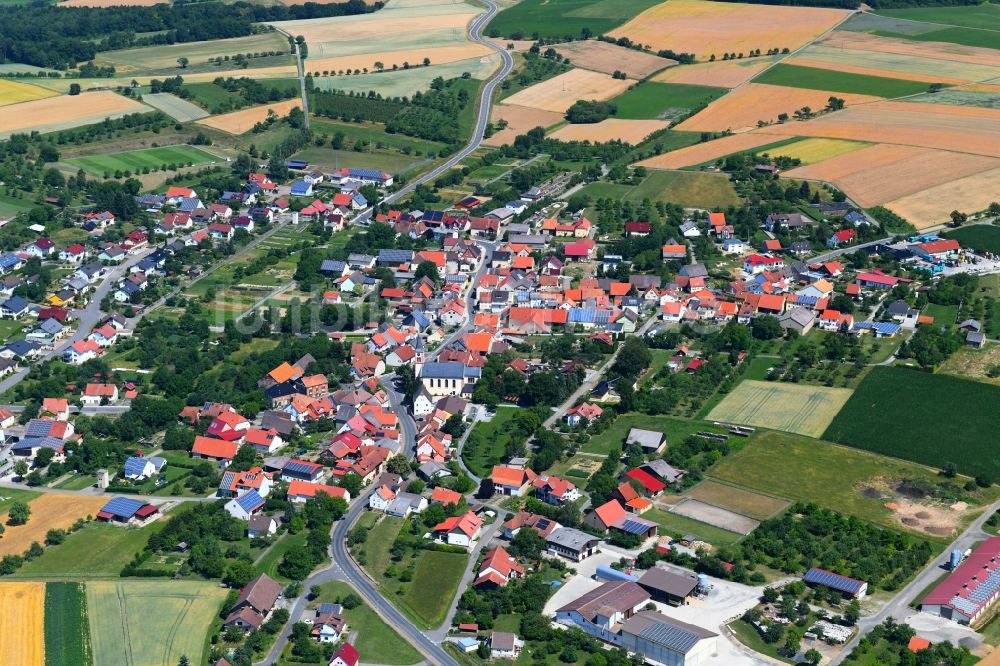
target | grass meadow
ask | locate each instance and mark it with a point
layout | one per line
(149, 158)
(814, 78)
(67, 634)
(564, 18)
(663, 100)
(686, 188)
(927, 418)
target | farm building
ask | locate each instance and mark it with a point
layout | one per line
(966, 594)
(571, 543)
(849, 587)
(671, 586)
(650, 440)
(127, 511)
(664, 640)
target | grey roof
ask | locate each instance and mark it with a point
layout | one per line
(570, 538)
(800, 316)
(664, 470)
(16, 304)
(647, 439)
(694, 270)
(667, 632)
(674, 582)
(449, 371)
(51, 326)
(395, 256)
(503, 640)
(975, 338)
(431, 469)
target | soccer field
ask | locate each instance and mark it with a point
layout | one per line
(806, 410)
(137, 160)
(151, 623)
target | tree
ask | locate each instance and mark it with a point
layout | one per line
(527, 543)
(813, 656)
(766, 328)
(19, 513)
(21, 468)
(958, 219)
(853, 612)
(74, 89)
(426, 269)
(379, 65)
(183, 62)
(351, 601)
(633, 358)
(239, 574)
(398, 464)
(245, 458)
(351, 482)
(184, 661)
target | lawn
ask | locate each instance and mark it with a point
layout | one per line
(663, 100)
(811, 470)
(391, 161)
(673, 429)
(380, 540)
(814, 78)
(376, 640)
(675, 525)
(137, 160)
(944, 315)
(96, 550)
(556, 19)
(10, 206)
(434, 585)
(686, 188)
(488, 448)
(10, 327)
(798, 408)
(979, 237)
(151, 622)
(964, 36)
(268, 563)
(931, 419)
(67, 634)
(210, 95)
(984, 16)
(373, 133)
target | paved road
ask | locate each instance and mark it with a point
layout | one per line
(899, 608)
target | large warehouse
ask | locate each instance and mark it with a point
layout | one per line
(972, 587)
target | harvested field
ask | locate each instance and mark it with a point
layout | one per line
(987, 99)
(946, 127)
(559, 93)
(15, 92)
(708, 151)
(810, 151)
(65, 112)
(438, 56)
(519, 119)
(629, 131)
(50, 511)
(934, 205)
(179, 109)
(22, 613)
(609, 58)
(706, 28)
(816, 60)
(969, 55)
(721, 73)
(805, 410)
(742, 108)
(740, 500)
(422, 24)
(164, 57)
(715, 516)
(151, 623)
(239, 122)
(884, 172)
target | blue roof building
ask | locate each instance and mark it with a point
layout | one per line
(246, 505)
(126, 509)
(301, 188)
(851, 587)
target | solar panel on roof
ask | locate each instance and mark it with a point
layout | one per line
(543, 524)
(38, 428)
(299, 467)
(123, 507)
(634, 527)
(832, 580)
(134, 466)
(249, 500)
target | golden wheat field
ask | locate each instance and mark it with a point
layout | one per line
(610, 129)
(49, 511)
(65, 111)
(708, 151)
(560, 92)
(706, 28)
(721, 73)
(15, 92)
(741, 109)
(934, 205)
(22, 618)
(242, 121)
(519, 120)
(810, 151)
(609, 58)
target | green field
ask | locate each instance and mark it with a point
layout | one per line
(10, 495)
(927, 418)
(964, 36)
(555, 19)
(814, 78)
(663, 100)
(979, 237)
(9, 206)
(96, 550)
(985, 16)
(434, 585)
(268, 563)
(149, 623)
(67, 634)
(677, 525)
(136, 160)
(376, 159)
(810, 470)
(376, 640)
(686, 188)
(673, 429)
(490, 442)
(380, 540)
(164, 57)
(374, 134)
(210, 95)
(798, 408)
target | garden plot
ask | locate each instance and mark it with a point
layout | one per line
(707, 28)
(559, 93)
(743, 108)
(885, 172)
(715, 516)
(610, 58)
(798, 408)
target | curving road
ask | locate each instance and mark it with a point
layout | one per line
(343, 566)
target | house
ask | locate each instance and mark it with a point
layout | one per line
(302, 491)
(612, 515)
(842, 237)
(41, 248)
(302, 470)
(511, 480)
(81, 351)
(218, 450)
(759, 263)
(230, 426)
(790, 221)
(233, 483)
(74, 254)
(346, 655)
(57, 408)
(570, 543)
(127, 511)
(553, 490)
(797, 319)
(248, 504)
(876, 279)
(975, 339)
(449, 378)
(586, 411)
(639, 229)
(444, 496)
(302, 188)
(138, 468)
(936, 250)
(264, 441)
(95, 395)
(262, 527)
(505, 645)
(652, 442)
(733, 246)
(851, 588)
(14, 307)
(459, 530)
(254, 604)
